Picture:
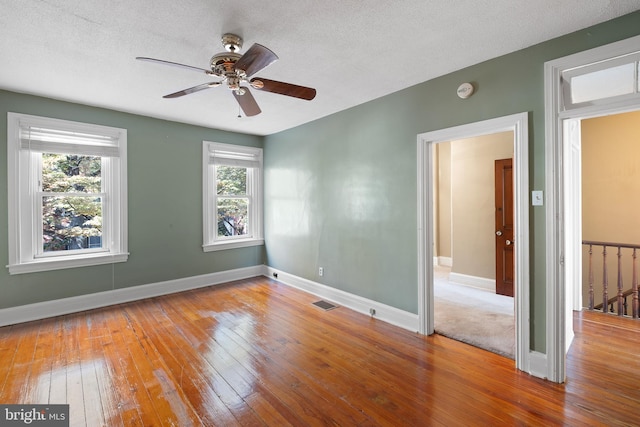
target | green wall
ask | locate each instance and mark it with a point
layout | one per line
(341, 191)
(165, 206)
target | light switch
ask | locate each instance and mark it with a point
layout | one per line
(536, 198)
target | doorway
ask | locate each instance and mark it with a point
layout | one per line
(518, 124)
(472, 303)
(610, 180)
(564, 109)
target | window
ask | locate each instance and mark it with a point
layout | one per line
(602, 82)
(232, 196)
(67, 194)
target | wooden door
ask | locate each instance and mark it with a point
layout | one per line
(504, 226)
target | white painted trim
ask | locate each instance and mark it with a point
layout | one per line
(41, 310)
(234, 244)
(518, 123)
(255, 184)
(386, 313)
(522, 246)
(556, 291)
(50, 264)
(473, 281)
(445, 261)
(426, 323)
(538, 364)
(25, 232)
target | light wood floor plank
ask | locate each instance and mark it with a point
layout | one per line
(184, 363)
(138, 397)
(256, 353)
(17, 375)
(39, 382)
(116, 393)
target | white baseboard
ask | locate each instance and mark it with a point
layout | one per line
(386, 313)
(538, 364)
(445, 261)
(41, 310)
(475, 281)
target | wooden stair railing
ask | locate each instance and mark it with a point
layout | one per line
(618, 303)
(613, 300)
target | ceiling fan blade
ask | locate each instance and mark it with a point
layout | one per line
(192, 89)
(255, 59)
(247, 103)
(282, 88)
(175, 64)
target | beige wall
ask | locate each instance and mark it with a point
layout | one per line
(472, 201)
(443, 200)
(610, 192)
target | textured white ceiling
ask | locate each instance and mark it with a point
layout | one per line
(351, 51)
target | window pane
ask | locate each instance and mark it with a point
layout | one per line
(232, 216)
(605, 83)
(231, 180)
(71, 174)
(71, 223)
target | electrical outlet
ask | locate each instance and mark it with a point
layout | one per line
(321, 271)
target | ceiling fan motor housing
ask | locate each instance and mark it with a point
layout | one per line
(222, 64)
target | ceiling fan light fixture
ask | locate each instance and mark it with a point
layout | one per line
(233, 83)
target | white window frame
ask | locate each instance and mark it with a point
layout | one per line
(569, 74)
(232, 155)
(24, 168)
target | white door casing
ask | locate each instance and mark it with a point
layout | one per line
(563, 211)
(518, 124)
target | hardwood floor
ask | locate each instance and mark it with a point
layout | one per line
(256, 352)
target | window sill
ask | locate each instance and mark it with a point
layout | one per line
(68, 262)
(221, 246)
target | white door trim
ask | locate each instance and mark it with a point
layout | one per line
(518, 123)
(557, 340)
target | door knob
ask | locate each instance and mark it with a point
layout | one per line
(498, 233)
(508, 242)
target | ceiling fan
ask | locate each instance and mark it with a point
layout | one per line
(235, 71)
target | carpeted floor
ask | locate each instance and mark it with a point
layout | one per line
(475, 316)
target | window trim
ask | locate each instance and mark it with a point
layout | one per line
(601, 65)
(255, 187)
(23, 255)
